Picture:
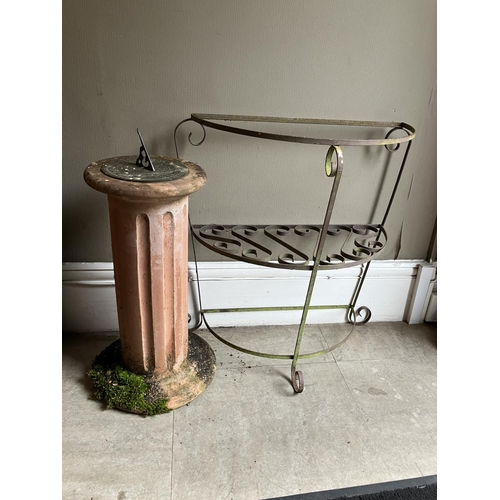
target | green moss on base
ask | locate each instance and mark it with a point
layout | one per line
(120, 388)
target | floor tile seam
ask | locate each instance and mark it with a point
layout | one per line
(358, 406)
(378, 422)
(331, 353)
(278, 329)
(416, 365)
(362, 360)
(426, 405)
(253, 336)
(412, 366)
(419, 469)
(387, 468)
(418, 357)
(276, 356)
(273, 365)
(371, 432)
(337, 357)
(172, 458)
(395, 334)
(247, 350)
(325, 345)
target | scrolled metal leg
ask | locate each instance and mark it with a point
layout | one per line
(335, 171)
(352, 314)
(297, 380)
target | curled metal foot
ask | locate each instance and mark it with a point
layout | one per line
(363, 312)
(297, 381)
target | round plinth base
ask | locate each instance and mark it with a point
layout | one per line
(147, 395)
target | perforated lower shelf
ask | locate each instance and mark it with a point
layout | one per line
(292, 247)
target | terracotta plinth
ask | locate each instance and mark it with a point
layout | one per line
(149, 235)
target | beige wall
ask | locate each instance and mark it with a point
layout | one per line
(150, 64)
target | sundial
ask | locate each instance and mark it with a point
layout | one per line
(148, 215)
(143, 169)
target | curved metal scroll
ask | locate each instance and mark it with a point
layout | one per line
(291, 247)
(199, 143)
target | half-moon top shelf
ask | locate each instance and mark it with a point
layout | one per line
(213, 121)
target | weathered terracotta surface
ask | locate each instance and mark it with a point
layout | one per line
(149, 234)
(187, 381)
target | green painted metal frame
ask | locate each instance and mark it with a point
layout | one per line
(333, 170)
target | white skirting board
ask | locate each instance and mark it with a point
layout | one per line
(389, 291)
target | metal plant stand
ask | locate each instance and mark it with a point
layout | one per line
(304, 247)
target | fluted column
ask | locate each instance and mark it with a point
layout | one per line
(149, 236)
(150, 255)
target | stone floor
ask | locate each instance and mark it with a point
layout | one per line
(367, 415)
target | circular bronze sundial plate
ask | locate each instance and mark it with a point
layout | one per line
(125, 169)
